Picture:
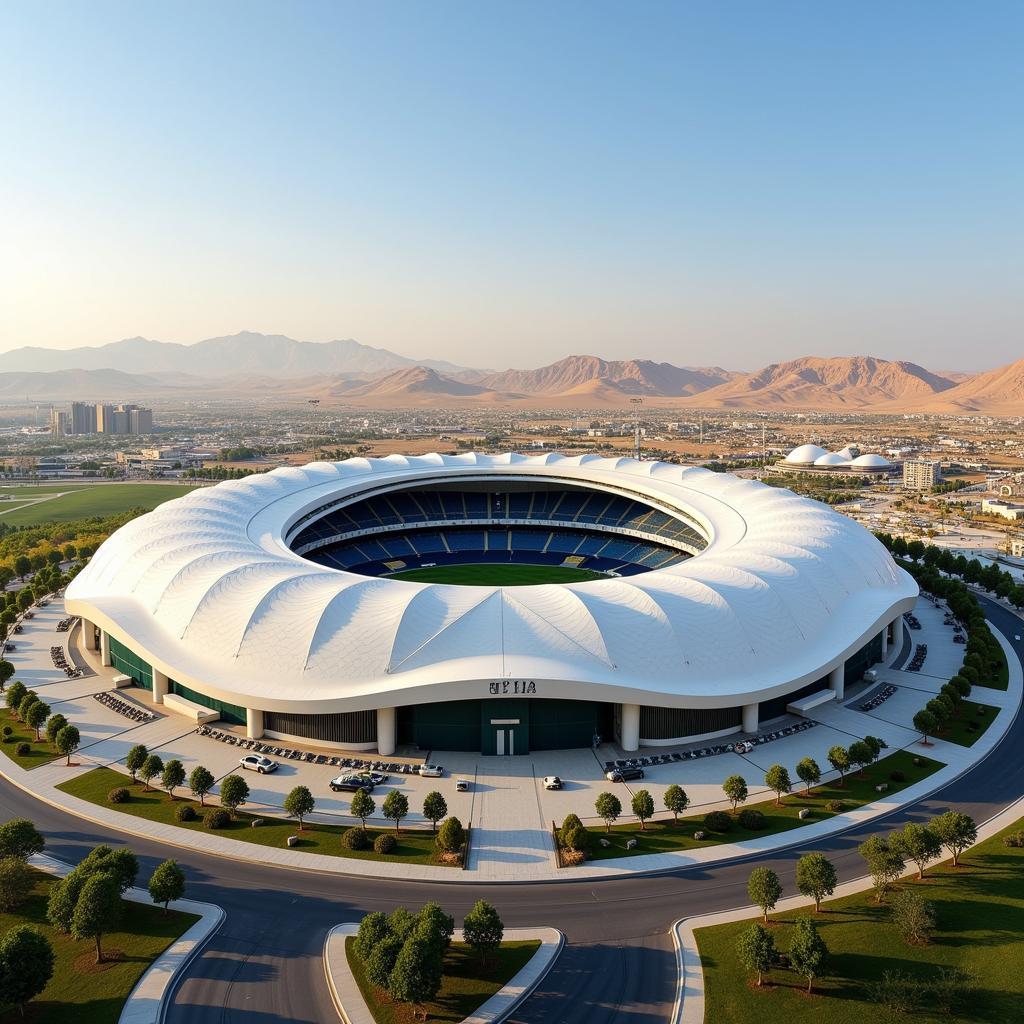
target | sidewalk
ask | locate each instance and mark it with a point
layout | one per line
(145, 1004)
(352, 1007)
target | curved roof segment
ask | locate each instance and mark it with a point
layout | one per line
(805, 454)
(207, 588)
(831, 459)
(871, 462)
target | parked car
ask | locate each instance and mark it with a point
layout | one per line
(351, 784)
(9, 647)
(431, 771)
(1016, 637)
(743, 747)
(624, 774)
(258, 763)
(376, 778)
(462, 785)
(552, 782)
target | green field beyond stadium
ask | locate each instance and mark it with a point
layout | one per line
(498, 574)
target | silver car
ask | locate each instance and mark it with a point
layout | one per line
(258, 763)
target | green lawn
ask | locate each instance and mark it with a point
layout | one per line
(980, 909)
(955, 729)
(94, 500)
(79, 990)
(1002, 676)
(662, 836)
(465, 985)
(41, 752)
(415, 846)
(498, 574)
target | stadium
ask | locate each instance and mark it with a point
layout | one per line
(498, 604)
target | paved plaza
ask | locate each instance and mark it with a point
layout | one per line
(510, 811)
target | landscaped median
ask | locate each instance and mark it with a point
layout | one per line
(962, 968)
(896, 772)
(39, 751)
(412, 846)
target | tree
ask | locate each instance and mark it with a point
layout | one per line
(30, 698)
(381, 961)
(608, 808)
(97, 910)
(482, 929)
(396, 807)
(916, 843)
(676, 801)
(136, 759)
(434, 808)
(15, 883)
(151, 767)
(373, 928)
(416, 976)
(298, 803)
(809, 773)
(20, 838)
(451, 836)
(121, 864)
(913, 916)
(167, 883)
(926, 724)
(860, 754)
(643, 807)
(807, 950)
(956, 832)
(755, 950)
(54, 724)
(200, 781)
(234, 791)
(15, 694)
(436, 927)
(68, 740)
(815, 877)
(884, 861)
(764, 890)
(172, 776)
(735, 789)
(26, 964)
(777, 780)
(362, 806)
(6, 671)
(22, 566)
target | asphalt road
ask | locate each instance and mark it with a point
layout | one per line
(618, 964)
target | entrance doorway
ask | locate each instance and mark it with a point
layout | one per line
(504, 736)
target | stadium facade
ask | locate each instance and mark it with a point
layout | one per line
(720, 603)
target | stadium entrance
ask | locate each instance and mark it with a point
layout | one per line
(505, 727)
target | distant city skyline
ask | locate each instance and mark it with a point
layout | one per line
(729, 185)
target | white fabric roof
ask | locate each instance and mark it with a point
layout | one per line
(831, 459)
(206, 587)
(805, 454)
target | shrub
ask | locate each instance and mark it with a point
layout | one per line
(717, 821)
(1015, 839)
(118, 795)
(23, 749)
(898, 776)
(355, 839)
(577, 838)
(384, 843)
(751, 819)
(451, 836)
(186, 812)
(835, 806)
(913, 916)
(7, 733)
(216, 817)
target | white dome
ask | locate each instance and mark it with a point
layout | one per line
(831, 459)
(207, 589)
(805, 455)
(870, 462)
(848, 453)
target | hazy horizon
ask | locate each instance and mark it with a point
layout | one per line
(499, 187)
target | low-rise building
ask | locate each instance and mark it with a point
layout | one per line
(1006, 509)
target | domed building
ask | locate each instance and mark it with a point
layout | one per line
(805, 455)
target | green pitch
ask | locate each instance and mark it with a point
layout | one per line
(80, 502)
(498, 574)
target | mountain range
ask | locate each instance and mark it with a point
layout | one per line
(348, 372)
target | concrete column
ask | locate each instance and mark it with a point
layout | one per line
(254, 723)
(160, 685)
(750, 719)
(837, 680)
(630, 738)
(387, 731)
(885, 642)
(897, 632)
(105, 648)
(89, 635)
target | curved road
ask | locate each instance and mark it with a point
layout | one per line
(265, 965)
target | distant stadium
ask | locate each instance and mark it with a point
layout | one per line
(498, 604)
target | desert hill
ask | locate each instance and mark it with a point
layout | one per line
(999, 392)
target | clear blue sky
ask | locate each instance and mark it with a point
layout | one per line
(501, 185)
